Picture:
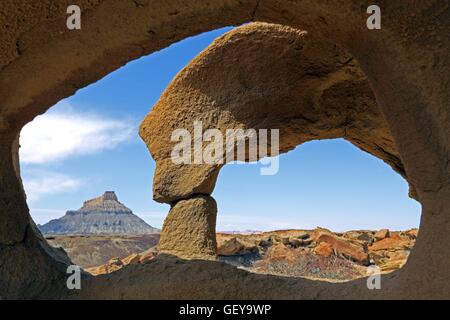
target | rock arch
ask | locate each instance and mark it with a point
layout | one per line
(258, 76)
(406, 65)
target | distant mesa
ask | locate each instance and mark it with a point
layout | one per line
(104, 215)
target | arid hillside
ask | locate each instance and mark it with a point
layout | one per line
(91, 251)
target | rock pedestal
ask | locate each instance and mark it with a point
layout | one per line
(189, 230)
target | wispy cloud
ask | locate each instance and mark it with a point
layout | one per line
(49, 183)
(58, 135)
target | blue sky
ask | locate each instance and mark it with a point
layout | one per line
(88, 143)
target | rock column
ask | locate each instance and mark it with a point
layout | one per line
(189, 230)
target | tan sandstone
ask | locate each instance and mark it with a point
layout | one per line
(189, 230)
(405, 62)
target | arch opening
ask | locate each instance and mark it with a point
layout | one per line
(389, 57)
(86, 147)
(304, 89)
(328, 195)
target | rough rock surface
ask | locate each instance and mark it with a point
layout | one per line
(304, 86)
(347, 248)
(235, 246)
(319, 92)
(324, 249)
(381, 234)
(406, 63)
(394, 242)
(189, 230)
(299, 253)
(115, 264)
(104, 215)
(318, 254)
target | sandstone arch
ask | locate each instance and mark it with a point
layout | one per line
(258, 76)
(406, 63)
(264, 76)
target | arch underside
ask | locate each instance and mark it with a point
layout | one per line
(406, 67)
(264, 76)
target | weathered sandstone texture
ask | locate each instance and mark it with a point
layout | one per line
(271, 77)
(115, 264)
(405, 63)
(189, 230)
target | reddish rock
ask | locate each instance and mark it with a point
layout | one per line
(394, 242)
(342, 246)
(319, 232)
(147, 255)
(281, 252)
(235, 246)
(324, 249)
(413, 233)
(361, 236)
(381, 234)
(113, 264)
(132, 259)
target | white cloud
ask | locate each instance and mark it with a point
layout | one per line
(49, 183)
(55, 136)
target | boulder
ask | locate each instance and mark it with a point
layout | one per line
(360, 236)
(235, 246)
(281, 252)
(113, 264)
(392, 260)
(413, 233)
(324, 249)
(319, 90)
(148, 255)
(189, 230)
(342, 246)
(132, 259)
(381, 234)
(394, 242)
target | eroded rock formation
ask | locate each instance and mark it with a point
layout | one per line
(262, 76)
(405, 62)
(102, 215)
(300, 253)
(190, 229)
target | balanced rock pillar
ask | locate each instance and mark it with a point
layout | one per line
(189, 230)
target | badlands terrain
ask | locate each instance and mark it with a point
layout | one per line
(90, 251)
(104, 235)
(315, 254)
